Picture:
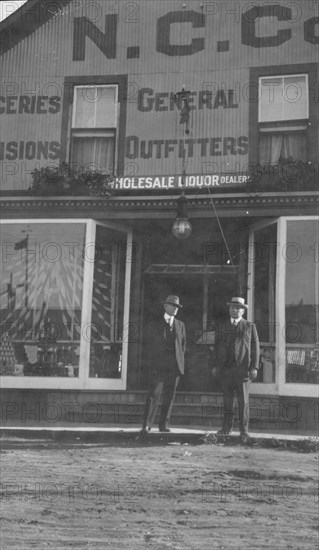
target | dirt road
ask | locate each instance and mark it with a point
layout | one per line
(135, 496)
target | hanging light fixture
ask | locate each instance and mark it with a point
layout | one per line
(182, 227)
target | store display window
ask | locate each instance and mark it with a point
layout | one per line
(65, 288)
(301, 302)
(283, 278)
(41, 299)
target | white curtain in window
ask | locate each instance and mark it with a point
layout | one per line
(282, 146)
(94, 153)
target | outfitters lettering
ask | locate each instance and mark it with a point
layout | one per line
(164, 148)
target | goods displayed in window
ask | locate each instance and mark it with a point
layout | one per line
(41, 299)
(302, 302)
(264, 310)
(291, 332)
(303, 365)
(107, 330)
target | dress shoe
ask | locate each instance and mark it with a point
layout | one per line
(166, 430)
(245, 439)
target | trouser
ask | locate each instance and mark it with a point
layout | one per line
(233, 384)
(166, 386)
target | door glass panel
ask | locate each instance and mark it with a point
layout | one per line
(107, 330)
(265, 250)
(41, 292)
(301, 302)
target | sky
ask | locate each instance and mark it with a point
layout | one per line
(9, 6)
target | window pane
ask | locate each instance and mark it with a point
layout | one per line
(108, 304)
(95, 107)
(265, 249)
(295, 94)
(106, 108)
(41, 299)
(93, 152)
(271, 99)
(283, 98)
(302, 304)
(84, 105)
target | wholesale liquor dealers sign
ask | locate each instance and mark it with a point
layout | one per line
(178, 182)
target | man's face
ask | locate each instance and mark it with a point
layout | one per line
(170, 309)
(236, 312)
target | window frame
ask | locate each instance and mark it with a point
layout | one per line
(88, 86)
(280, 387)
(262, 388)
(70, 82)
(283, 121)
(312, 139)
(83, 381)
(94, 131)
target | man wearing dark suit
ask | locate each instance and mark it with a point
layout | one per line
(237, 361)
(166, 343)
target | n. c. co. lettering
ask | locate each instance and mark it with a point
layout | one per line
(250, 20)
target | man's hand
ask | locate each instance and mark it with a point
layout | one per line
(253, 374)
(214, 372)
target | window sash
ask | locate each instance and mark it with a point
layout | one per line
(84, 133)
(283, 128)
(95, 107)
(283, 98)
(94, 151)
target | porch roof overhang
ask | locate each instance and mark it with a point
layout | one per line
(161, 206)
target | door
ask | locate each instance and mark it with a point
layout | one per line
(204, 302)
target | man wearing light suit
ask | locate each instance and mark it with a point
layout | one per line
(237, 361)
(166, 343)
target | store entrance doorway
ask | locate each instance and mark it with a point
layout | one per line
(204, 298)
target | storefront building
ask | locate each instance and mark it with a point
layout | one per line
(163, 99)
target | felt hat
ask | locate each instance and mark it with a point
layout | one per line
(173, 301)
(237, 301)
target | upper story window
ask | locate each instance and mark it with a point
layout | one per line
(94, 127)
(283, 115)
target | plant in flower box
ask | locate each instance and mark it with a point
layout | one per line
(287, 175)
(64, 179)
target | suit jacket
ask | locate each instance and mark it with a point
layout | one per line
(246, 347)
(156, 345)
